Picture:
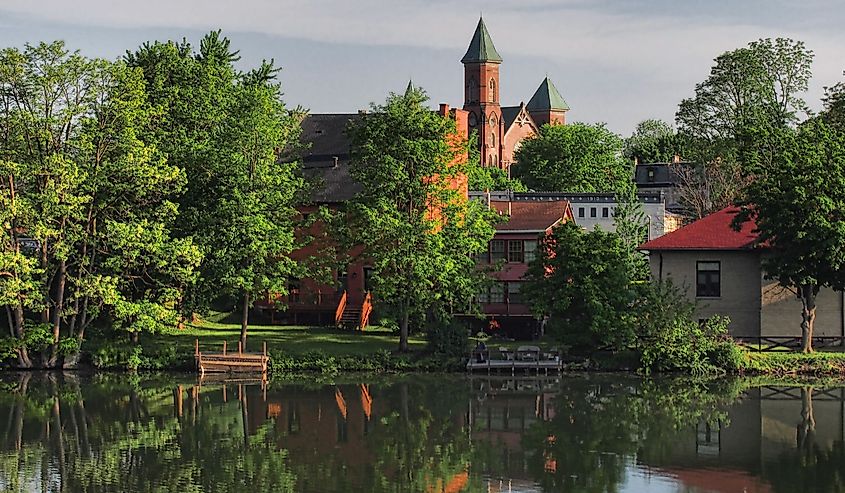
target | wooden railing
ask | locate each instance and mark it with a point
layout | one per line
(227, 362)
(787, 343)
(341, 306)
(366, 309)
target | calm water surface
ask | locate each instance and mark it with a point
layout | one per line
(431, 434)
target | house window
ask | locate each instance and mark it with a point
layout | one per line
(708, 279)
(342, 281)
(293, 291)
(497, 292)
(513, 292)
(592, 212)
(368, 278)
(530, 250)
(484, 295)
(605, 212)
(515, 251)
(581, 212)
(497, 250)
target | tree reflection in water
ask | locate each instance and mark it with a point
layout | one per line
(431, 434)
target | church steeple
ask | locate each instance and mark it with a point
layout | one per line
(481, 95)
(547, 105)
(481, 47)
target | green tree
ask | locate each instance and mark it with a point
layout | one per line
(834, 106)
(418, 230)
(653, 141)
(796, 202)
(582, 283)
(572, 158)
(631, 226)
(227, 129)
(751, 88)
(76, 175)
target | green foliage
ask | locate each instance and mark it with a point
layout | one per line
(783, 364)
(448, 339)
(583, 282)
(415, 224)
(631, 225)
(227, 130)
(833, 113)
(759, 85)
(120, 356)
(670, 339)
(492, 178)
(796, 202)
(573, 158)
(77, 173)
(653, 141)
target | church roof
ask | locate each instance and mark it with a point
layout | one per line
(547, 97)
(509, 114)
(325, 160)
(481, 47)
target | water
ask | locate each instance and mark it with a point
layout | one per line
(418, 433)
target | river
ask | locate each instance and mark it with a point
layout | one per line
(417, 433)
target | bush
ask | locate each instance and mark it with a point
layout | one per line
(448, 339)
(670, 340)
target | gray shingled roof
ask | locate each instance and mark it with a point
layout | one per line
(325, 161)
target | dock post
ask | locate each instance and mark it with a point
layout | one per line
(240, 347)
(224, 348)
(196, 347)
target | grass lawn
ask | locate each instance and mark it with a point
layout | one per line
(285, 338)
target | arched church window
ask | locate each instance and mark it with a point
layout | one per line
(492, 90)
(492, 139)
(472, 90)
(493, 120)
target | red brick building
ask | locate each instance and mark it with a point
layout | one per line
(501, 128)
(326, 165)
(515, 245)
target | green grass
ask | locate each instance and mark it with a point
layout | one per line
(794, 363)
(293, 340)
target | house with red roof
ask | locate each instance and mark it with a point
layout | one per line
(721, 270)
(514, 246)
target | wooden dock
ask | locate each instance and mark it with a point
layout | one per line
(520, 359)
(231, 362)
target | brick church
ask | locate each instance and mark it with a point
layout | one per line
(502, 128)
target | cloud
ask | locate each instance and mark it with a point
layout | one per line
(663, 43)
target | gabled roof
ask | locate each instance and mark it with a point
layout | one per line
(325, 161)
(547, 97)
(481, 47)
(531, 216)
(517, 114)
(713, 232)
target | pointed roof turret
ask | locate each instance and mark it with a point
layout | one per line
(547, 97)
(481, 47)
(410, 88)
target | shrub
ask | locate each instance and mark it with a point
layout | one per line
(670, 340)
(448, 339)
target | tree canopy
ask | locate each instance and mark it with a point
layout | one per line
(572, 158)
(226, 128)
(419, 231)
(796, 201)
(653, 141)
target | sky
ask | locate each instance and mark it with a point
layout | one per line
(614, 61)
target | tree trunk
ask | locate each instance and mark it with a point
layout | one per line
(807, 293)
(134, 337)
(57, 312)
(244, 320)
(403, 331)
(24, 360)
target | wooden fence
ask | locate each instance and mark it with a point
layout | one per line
(787, 343)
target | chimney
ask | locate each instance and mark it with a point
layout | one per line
(509, 207)
(487, 194)
(676, 159)
(444, 109)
